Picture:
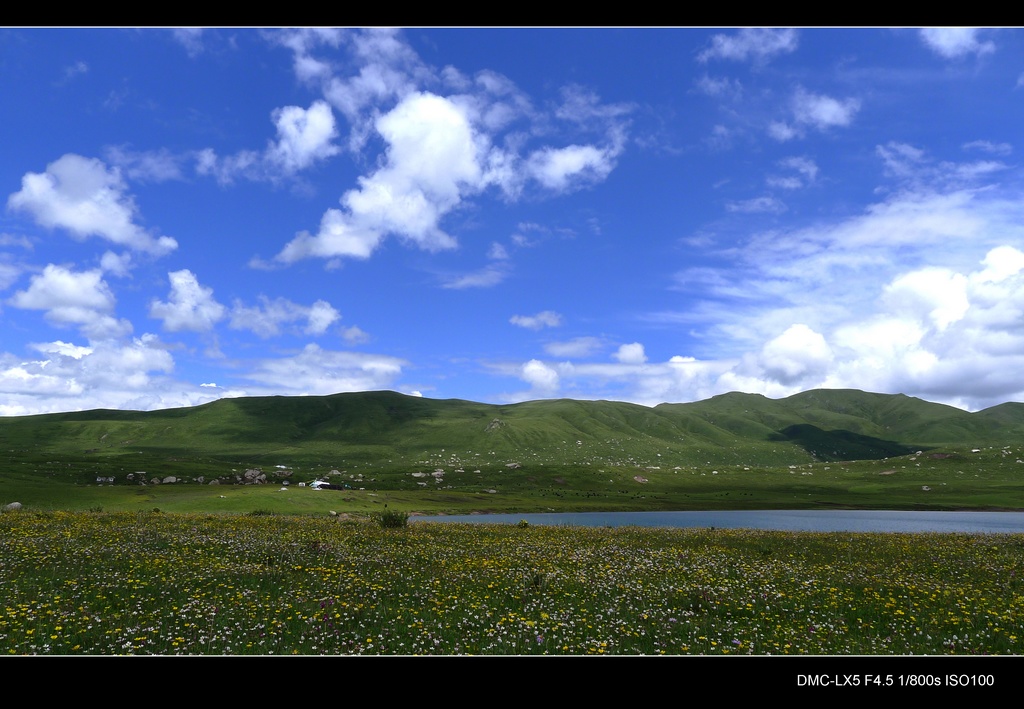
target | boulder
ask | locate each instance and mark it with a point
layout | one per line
(12, 507)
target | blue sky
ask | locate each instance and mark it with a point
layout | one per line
(500, 215)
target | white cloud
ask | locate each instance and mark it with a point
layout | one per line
(545, 318)
(490, 275)
(107, 374)
(117, 264)
(785, 183)
(73, 298)
(823, 112)
(190, 306)
(440, 150)
(987, 146)
(751, 43)
(12, 240)
(354, 335)
(955, 42)
(316, 371)
(433, 160)
(757, 205)
(806, 169)
(782, 131)
(320, 317)
(191, 38)
(570, 167)
(730, 88)
(497, 252)
(304, 136)
(631, 354)
(933, 294)
(915, 167)
(795, 355)
(542, 378)
(578, 347)
(267, 318)
(145, 166)
(73, 70)
(81, 195)
(9, 275)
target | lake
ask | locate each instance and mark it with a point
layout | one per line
(793, 520)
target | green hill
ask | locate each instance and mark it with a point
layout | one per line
(374, 427)
(539, 449)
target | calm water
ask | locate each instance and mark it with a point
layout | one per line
(796, 520)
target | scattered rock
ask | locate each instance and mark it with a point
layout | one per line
(640, 478)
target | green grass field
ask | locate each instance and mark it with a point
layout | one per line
(155, 583)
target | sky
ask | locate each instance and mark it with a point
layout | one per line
(500, 215)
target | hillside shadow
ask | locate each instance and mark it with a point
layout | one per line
(840, 444)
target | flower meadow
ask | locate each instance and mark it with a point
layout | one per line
(153, 583)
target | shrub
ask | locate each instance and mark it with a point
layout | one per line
(392, 519)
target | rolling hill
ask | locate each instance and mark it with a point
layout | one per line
(385, 429)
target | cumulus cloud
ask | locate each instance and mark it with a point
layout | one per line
(106, 374)
(354, 335)
(751, 43)
(922, 293)
(190, 306)
(84, 197)
(934, 294)
(316, 371)
(564, 168)
(433, 159)
(267, 318)
(304, 136)
(631, 354)
(823, 112)
(545, 318)
(69, 297)
(542, 378)
(796, 355)
(955, 42)
(117, 264)
(782, 131)
(439, 150)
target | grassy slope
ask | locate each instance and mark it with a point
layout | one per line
(580, 454)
